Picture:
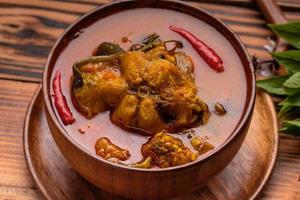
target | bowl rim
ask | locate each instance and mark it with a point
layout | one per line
(247, 112)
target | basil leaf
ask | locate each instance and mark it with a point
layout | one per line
(293, 81)
(291, 127)
(289, 103)
(290, 32)
(291, 91)
(273, 85)
(289, 59)
(290, 114)
(291, 100)
(284, 109)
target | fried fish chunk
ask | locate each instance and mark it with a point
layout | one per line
(107, 150)
(133, 64)
(148, 118)
(126, 111)
(167, 151)
(102, 88)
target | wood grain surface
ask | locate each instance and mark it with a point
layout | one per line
(28, 29)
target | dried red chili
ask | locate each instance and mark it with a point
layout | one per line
(60, 101)
(209, 55)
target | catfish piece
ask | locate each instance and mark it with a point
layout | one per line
(107, 150)
(97, 84)
(126, 111)
(148, 118)
(167, 151)
(133, 64)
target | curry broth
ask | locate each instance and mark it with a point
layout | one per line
(228, 87)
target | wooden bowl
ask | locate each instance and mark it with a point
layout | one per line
(148, 183)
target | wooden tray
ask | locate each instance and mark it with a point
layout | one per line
(242, 179)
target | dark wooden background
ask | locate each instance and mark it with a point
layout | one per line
(28, 29)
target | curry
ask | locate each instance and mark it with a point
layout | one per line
(157, 95)
(149, 89)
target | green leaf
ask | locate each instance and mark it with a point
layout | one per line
(291, 91)
(288, 104)
(291, 127)
(284, 109)
(291, 100)
(290, 84)
(294, 122)
(274, 85)
(290, 32)
(289, 59)
(293, 81)
(291, 114)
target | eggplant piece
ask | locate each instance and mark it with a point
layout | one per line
(107, 48)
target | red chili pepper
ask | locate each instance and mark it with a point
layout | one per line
(210, 57)
(61, 102)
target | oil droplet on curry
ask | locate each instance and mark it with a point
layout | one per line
(143, 97)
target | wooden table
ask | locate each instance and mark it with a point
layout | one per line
(28, 29)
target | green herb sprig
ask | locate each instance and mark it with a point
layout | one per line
(287, 86)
